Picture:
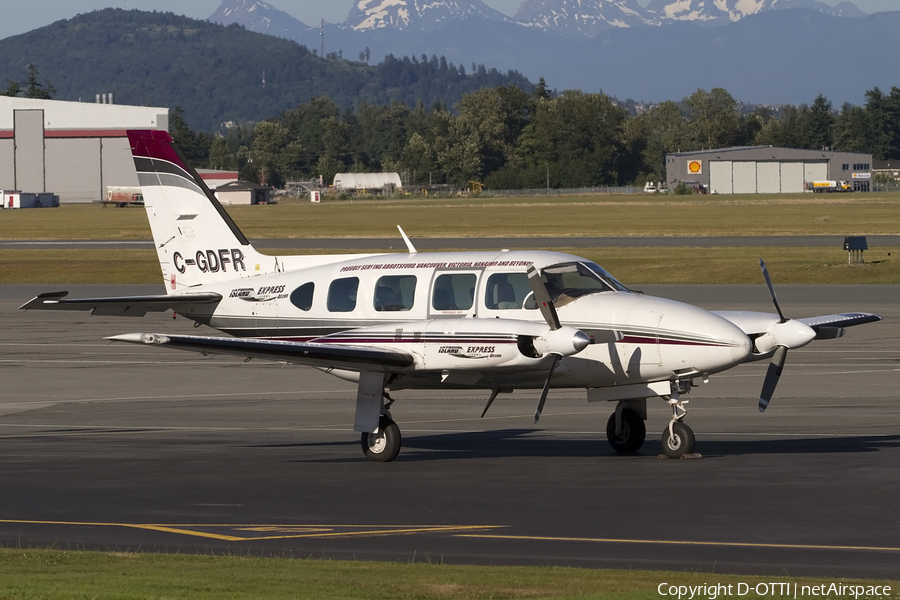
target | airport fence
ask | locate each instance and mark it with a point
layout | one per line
(583, 191)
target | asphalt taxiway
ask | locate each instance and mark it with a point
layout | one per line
(124, 447)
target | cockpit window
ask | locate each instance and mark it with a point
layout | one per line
(567, 281)
(607, 276)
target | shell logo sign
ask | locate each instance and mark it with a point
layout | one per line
(695, 167)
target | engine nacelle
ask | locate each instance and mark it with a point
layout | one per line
(565, 341)
(468, 344)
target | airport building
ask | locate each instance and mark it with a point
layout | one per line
(72, 149)
(766, 169)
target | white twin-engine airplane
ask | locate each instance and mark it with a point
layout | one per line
(496, 321)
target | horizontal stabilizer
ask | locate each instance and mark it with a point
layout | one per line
(318, 355)
(123, 306)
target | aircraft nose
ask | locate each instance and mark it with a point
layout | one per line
(732, 339)
(713, 342)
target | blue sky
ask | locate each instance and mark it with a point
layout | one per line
(20, 16)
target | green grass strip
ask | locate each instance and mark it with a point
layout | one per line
(27, 574)
(622, 215)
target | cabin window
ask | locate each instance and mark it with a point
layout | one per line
(453, 291)
(302, 297)
(342, 294)
(395, 292)
(508, 291)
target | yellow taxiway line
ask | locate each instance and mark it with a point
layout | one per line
(679, 542)
(287, 531)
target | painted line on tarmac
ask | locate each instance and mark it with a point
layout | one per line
(251, 533)
(211, 395)
(679, 542)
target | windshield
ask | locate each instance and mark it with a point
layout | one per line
(567, 281)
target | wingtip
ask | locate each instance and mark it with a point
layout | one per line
(139, 338)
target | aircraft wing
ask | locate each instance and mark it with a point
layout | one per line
(826, 326)
(316, 355)
(123, 306)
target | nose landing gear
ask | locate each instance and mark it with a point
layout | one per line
(677, 439)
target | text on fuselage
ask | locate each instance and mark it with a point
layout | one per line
(211, 261)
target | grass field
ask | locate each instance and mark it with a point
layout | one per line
(49, 574)
(637, 215)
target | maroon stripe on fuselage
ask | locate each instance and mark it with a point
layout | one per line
(633, 339)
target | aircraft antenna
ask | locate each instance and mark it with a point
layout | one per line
(409, 244)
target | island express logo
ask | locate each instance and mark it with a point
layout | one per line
(211, 261)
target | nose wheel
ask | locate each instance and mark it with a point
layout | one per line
(677, 439)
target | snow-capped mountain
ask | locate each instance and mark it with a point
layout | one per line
(584, 16)
(735, 10)
(417, 14)
(259, 17)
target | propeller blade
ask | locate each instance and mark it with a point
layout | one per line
(489, 402)
(765, 273)
(540, 406)
(542, 297)
(772, 375)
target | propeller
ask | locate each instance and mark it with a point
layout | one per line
(542, 297)
(580, 340)
(786, 334)
(768, 279)
(540, 406)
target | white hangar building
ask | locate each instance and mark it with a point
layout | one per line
(72, 149)
(767, 169)
(366, 181)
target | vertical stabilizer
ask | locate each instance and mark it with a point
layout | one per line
(196, 240)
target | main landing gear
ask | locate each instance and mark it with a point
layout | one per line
(382, 445)
(629, 435)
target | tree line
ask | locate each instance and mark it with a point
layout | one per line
(507, 138)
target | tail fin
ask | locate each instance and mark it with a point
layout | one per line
(196, 240)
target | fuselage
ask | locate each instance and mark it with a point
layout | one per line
(403, 299)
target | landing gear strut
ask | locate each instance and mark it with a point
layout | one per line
(380, 443)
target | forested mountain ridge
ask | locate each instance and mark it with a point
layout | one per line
(762, 51)
(217, 73)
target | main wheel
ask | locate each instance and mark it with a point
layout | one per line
(631, 438)
(681, 442)
(384, 445)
